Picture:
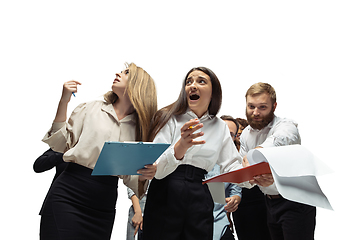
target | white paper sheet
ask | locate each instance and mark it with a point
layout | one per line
(217, 190)
(294, 169)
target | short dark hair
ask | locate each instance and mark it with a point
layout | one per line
(243, 122)
(230, 118)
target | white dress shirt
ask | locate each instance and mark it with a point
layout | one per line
(218, 149)
(279, 132)
(82, 137)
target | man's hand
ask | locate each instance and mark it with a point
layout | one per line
(245, 162)
(263, 180)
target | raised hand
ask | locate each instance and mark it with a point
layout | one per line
(188, 137)
(69, 88)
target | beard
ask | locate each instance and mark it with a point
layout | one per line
(260, 124)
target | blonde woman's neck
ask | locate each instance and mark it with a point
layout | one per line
(123, 107)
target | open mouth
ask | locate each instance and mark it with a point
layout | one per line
(194, 97)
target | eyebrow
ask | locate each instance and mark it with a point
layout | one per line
(250, 103)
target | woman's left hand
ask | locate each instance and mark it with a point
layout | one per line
(148, 172)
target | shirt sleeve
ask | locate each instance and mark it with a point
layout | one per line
(284, 133)
(232, 189)
(229, 158)
(64, 135)
(130, 193)
(132, 182)
(243, 147)
(47, 161)
(166, 163)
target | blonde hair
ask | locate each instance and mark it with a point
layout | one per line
(142, 94)
(260, 88)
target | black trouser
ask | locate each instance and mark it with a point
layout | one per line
(250, 219)
(228, 235)
(179, 207)
(288, 220)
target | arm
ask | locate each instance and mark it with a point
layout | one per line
(284, 133)
(68, 88)
(135, 184)
(137, 219)
(229, 158)
(233, 193)
(173, 156)
(187, 138)
(47, 161)
(64, 135)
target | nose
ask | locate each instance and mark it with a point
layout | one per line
(256, 112)
(117, 75)
(193, 86)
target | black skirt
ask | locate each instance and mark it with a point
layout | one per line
(79, 206)
(179, 207)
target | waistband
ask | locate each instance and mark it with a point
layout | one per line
(273, 196)
(189, 173)
(80, 170)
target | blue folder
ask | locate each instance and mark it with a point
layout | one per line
(119, 158)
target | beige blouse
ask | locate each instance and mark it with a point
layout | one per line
(82, 137)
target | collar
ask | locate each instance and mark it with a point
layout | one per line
(203, 118)
(109, 108)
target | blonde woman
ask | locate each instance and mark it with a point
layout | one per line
(78, 205)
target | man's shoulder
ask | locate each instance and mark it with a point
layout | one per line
(278, 121)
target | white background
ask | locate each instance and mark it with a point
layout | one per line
(308, 50)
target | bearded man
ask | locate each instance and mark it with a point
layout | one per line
(286, 219)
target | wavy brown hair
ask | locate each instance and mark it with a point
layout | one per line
(259, 88)
(180, 105)
(142, 93)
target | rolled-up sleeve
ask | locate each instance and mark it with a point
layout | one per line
(64, 135)
(232, 189)
(130, 193)
(132, 182)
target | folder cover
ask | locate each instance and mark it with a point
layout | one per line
(242, 175)
(120, 158)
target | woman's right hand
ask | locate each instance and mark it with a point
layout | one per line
(69, 88)
(188, 137)
(137, 221)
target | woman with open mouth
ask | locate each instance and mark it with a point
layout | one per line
(179, 206)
